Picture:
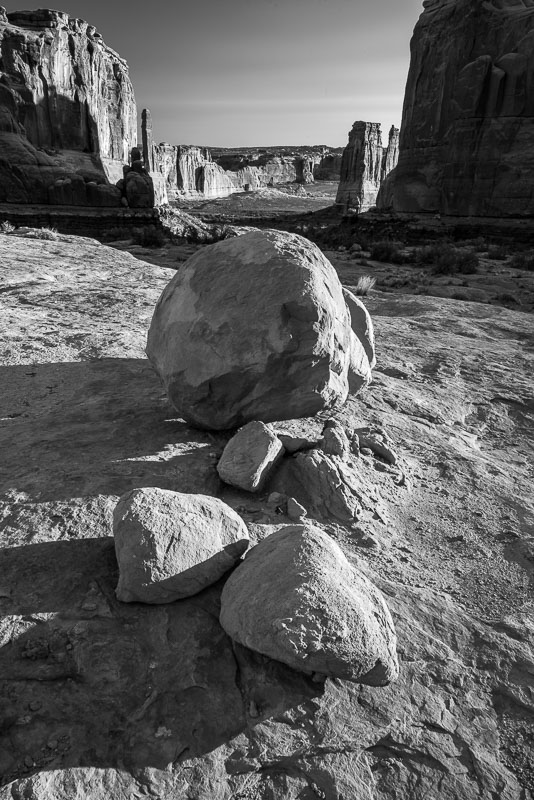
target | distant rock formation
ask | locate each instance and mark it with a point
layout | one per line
(189, 170)
(365, 164)
(68, 117)
(467, 134)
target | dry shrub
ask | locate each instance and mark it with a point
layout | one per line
(364, 285)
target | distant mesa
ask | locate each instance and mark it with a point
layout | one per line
(365, 165)
(467, 134)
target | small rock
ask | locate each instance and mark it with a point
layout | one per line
(253, 710)
(171, 545)
(323, 484)
(335, 441)
(294, 509)
(28, 761)
(366, 451)
(276, 499)
(35, 705)
(296, 598)
(250, 457)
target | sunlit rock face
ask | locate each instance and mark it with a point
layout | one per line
(467, 135)
(364, 165)
(67, 111)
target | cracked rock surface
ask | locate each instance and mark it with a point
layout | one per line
(105, 699)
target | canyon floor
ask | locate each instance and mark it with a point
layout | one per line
(104, 699)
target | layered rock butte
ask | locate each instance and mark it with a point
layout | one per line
(68, 117)
(466, 144)
(193, 171)
(365, 164)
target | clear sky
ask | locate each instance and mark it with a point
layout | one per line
(258, 72)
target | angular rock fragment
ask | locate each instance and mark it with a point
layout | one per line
(171, 545)
(324, 484)
(250, 457)
(361, 324)
(296, 599)
(335, 441)
(255, 327)
(295, 510)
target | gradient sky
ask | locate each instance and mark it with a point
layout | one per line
(259, 72)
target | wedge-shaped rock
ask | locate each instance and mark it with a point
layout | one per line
(296, 598)
(250, 456)
(361, 324)
(171, 545)
(253, 327)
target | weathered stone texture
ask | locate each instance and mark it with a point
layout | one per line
(255, 327)
(467, 137)
(67, 111)
(364, 165)
(171, 545)
(297, 599)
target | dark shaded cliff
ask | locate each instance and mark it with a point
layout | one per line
(67, 111)
(467, 135)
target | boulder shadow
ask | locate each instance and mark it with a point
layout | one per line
(97, 427)
(87, 681)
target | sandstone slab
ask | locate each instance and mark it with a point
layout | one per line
(250, 457)
(297, 599)
(171, 545)
(253, 328)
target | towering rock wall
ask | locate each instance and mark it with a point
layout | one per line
(467, 135)
(67, 111)
(364, 165)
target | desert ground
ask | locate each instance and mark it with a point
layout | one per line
(103, 698)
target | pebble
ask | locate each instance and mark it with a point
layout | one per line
(35, 705)
(253, 710)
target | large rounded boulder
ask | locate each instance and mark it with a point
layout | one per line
(297, 599)
(255, 327)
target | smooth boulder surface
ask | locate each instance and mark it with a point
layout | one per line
(296, 599)
(171, 545)
(250, 457)
(254, 327)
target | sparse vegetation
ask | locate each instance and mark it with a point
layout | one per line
(387, 251)
(50, 234)
(498, 252)
(7, 227)
(365, 284)
(445, 259)
(149, 236)
(523, 261)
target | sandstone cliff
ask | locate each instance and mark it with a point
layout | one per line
(67, 111)
(467, 136)
(364, 165)
(189, 171)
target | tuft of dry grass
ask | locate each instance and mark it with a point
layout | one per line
(365, 284)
